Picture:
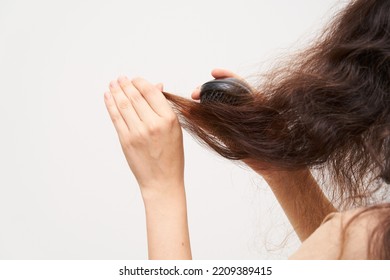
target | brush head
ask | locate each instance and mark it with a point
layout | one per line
(230, 91)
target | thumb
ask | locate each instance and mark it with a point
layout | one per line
(160, 86)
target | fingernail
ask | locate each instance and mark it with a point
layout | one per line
(122, 78)
(107, 95)
(114, 84)
(160, 86)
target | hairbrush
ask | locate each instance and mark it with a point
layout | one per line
(230, 91)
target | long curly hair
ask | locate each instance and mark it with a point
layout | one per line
(327, 108)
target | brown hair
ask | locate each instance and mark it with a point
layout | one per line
(379, 238)
(327, 108)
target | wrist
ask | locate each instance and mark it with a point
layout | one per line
(273, 174)
(163, 193)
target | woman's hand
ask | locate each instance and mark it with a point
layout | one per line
(152, 142)
(149, 133)
(217, 74)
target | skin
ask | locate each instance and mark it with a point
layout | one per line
(327, 243)
(152, 142)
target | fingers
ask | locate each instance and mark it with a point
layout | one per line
(153, 97)
(196, 94)
(116, 117)
(124, 105)
(135, 105)
(160, 87)
(144, 111)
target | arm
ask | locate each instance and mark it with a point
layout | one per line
(298, 193)
(167, 226)
(152, 141)
(302, 200)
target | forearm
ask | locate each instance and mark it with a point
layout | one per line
(167, 225)
(302, 200)
(152, 142)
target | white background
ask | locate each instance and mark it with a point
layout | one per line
(66, 191)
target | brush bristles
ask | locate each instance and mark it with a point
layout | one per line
(228, 91)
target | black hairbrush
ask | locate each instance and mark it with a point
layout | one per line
(230, 91)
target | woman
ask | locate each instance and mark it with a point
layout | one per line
(328, 109)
